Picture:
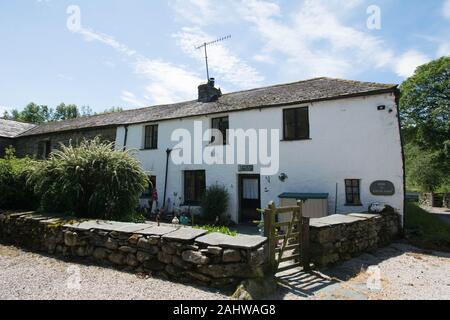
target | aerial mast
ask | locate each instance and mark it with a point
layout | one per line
(205, 45)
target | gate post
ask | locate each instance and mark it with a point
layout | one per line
(269, 232)
(305, 254)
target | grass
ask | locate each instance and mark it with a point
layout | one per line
(426, 230)
(222, 229)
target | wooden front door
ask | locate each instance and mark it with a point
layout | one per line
(249, 197)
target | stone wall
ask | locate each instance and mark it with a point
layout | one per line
(340, 237)
(4, 143)
(178, 253)
(28, 145)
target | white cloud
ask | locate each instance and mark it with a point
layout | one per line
(221, 60)
(64, 77)
(407, 63)
(446, 9)
(131, 99)
(203, 12)
(443, 49)
(314, 41)
(165, 82)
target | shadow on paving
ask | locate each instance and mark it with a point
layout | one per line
(332, 283)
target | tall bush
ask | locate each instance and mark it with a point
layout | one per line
(15, 193)
(91, 180)
(214, 204)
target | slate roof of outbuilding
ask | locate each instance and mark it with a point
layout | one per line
(10, 129)
(317, 89)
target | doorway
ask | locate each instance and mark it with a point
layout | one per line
(249, 197)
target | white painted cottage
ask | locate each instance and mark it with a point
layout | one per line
(339, 146)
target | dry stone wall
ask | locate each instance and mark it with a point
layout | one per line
(178, 253)
(340, 237)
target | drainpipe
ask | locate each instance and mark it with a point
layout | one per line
(168, 151)
(125, 138)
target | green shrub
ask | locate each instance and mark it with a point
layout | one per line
(14, 192)
(214, 204)
(222, 229)
(91, 180)
(425, 229)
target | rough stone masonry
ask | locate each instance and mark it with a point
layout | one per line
(170, 252)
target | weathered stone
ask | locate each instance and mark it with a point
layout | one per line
(195, 257)
(167, 248)
(174, 271)
(239, 241)
(111, 244)
(256, 289)
(154, 265)
(100, 253)
(81, 251)
(239, 270)
(164, 257)
(258, 257)
(231, 255)
(70, 238)
(214, 250)
(127, 249)
(198, 276)
(131, 260)
(117, 258)
(184, 234)
(180, 263)
(143, 256)
(134, 239)
(147, 244)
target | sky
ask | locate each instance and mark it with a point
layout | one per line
(129, 54)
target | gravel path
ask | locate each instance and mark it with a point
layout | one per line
(404, 273)
(25, 275)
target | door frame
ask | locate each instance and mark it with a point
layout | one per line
(240, 192)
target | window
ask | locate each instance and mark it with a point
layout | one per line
(352, 193)
(194, 186)
(44, 149)
(221, 124)
(151, 137)
(296, 124)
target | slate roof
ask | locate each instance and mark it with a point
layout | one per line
(10, 129)
(317, 89)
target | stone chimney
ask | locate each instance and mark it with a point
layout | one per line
(207, 92)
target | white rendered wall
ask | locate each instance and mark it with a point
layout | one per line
(350, 139)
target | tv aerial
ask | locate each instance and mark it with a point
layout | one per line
(205, 45)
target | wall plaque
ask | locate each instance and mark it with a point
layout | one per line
(382, 188)
(245, 168)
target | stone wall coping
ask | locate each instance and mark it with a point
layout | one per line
(157, 231)
(335, 219)
(239, 241)
(185, 234)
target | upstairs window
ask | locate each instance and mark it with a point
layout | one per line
(194, 187)
(296, 124)
(151, 137)
(352, 192)
(221, 124)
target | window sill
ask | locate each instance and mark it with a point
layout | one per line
(354, 205)
(190, 204)
(144, 149)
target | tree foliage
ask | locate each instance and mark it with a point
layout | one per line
(425, 117)
(15, 193)
(214, 203)
(91, 180)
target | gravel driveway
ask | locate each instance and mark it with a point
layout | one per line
(25, 275)
(405, 272)
(398, 272)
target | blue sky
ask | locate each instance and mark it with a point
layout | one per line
(138, 53)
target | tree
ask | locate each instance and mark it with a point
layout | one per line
(31, 113)
(425, 117)
(66, 112)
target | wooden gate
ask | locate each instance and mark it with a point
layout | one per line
(288, 241)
